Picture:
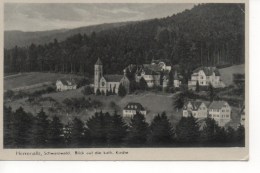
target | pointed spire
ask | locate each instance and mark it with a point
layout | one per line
(98, 62)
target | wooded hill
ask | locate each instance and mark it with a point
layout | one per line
(208, 34)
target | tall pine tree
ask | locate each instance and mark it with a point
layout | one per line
(41, 128)
(56, 136)
(161, 131)
(138, 130)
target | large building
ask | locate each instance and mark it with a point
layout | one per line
(197, 109)
(220, 111)
(156, 74)
(108, 83)
(132, 108)
(205, 76)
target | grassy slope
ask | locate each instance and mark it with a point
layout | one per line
(32, 78)
(227, 73)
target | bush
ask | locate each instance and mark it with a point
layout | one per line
(83, 82)
(88, 90)
(8, 94)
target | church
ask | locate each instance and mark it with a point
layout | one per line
(108, 83)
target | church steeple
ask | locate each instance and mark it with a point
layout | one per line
(98, 62)
(98, 73)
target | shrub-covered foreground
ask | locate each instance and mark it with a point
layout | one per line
(24, 130)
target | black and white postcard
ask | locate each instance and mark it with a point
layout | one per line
(109, 80)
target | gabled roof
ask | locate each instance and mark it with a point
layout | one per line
(113, 78)
(98, 62)
(217, 104)
(208, 70)
(134, 106)
(148, 70)
(195, 104)
(68, 82)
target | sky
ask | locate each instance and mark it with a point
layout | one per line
(41, 17)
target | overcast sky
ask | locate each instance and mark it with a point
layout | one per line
(39, 17)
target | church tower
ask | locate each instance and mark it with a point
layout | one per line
(98, 73)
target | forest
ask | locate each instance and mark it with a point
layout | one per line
(208, 34)
(24, 130)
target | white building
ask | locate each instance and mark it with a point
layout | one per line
(220, 111)
(197, 109)
(204, 76)
(65, 84)
(106, 83)
(132, 108)
(151, 76)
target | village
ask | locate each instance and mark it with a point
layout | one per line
(158, 74)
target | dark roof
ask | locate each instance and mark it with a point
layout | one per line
(208, 70)
(195, 104)
(166, 61)
(98, 62)
(113, 78)
(134, 106)
(68, 81)
(217, 104)
(148, 70)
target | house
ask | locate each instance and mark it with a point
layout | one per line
(197, 109)
(65, 84)
(175, 79)
(149, 74)
(205, 76)
(164, 64)
(132, 108)
(220, 111)
(108, 83)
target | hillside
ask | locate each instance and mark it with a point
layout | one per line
(208, 34)
(227, 73)
(21, 39)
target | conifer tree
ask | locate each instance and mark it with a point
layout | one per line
(197, 87)
(118, 130)
(161, 130)
(8, 127)
(138, 130)
(56, 138)
(77, 133)
(99, 126)
(121, 90)
(240, 135)
(211, 92)
(208, 133)
(187, 130)
(41, 128)
(22, 130)
(98, 93)
(142, 84)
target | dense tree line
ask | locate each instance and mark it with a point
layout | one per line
(23, 130)
(208, 34)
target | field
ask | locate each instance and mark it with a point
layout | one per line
(227, 73)
(16, 81)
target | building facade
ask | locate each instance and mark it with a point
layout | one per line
(132, 108)
(197, 109)
(108, 83)
(65, 84)
(205, 76)
(220, 111)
